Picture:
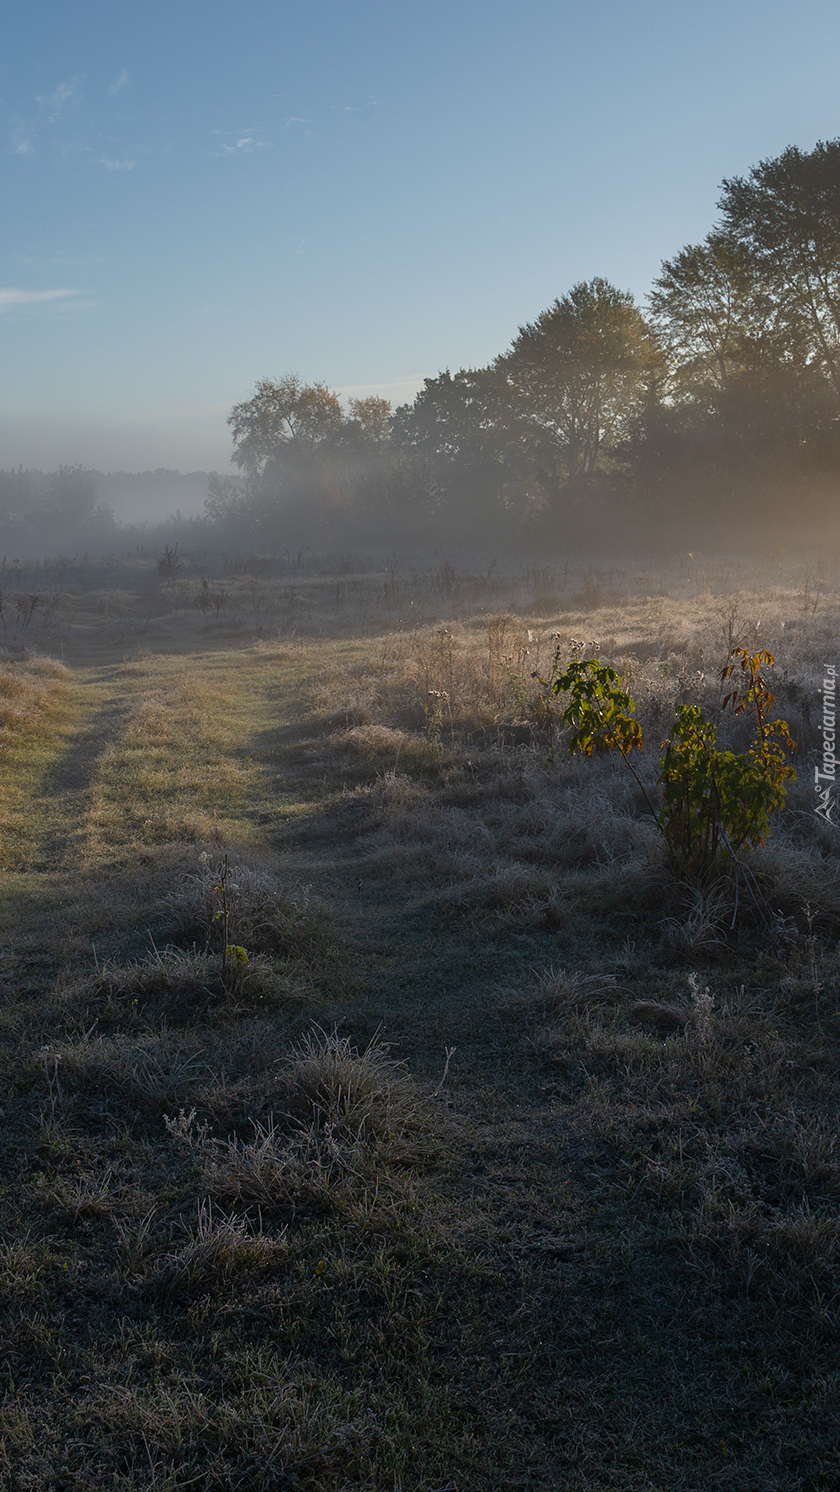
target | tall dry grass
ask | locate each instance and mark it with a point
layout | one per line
(33, 692)
(451, 730)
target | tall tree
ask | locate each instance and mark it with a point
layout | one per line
(309, 472)
(288, 417)
(461, 419)
(578, 375)
(713, 311)
(458, 447)
(786, 213)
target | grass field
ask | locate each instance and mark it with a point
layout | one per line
(379, 1109)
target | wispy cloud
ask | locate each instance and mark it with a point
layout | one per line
(354, 108)
(110, 165)
(406, 387)
(245, 142)
(63, 97)
(21, 141)
(10, 298)
(120, 81)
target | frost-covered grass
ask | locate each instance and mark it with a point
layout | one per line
(497, 1155)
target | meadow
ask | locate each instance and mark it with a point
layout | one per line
(380, 1108)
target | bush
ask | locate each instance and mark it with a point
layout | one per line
(715, 802)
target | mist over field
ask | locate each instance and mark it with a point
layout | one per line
(152, 496)
(73, 510)
(708, 418)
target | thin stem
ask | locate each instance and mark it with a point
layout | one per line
(645, 794)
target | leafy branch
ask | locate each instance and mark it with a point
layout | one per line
(715, 802)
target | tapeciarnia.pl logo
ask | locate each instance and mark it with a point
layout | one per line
(825, 775)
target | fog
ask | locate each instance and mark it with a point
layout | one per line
(180, 438)
(152, 497)
(393, 498)
(75, 511)
(709, 418)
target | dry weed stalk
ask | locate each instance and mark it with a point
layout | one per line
(702, 1005)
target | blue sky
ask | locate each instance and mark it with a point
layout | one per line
(197, 194)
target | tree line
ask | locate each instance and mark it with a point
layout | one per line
(72, 510)
(710, 412)
(57, 511)
(709, 416)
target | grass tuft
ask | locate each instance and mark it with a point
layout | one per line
(217, 1247)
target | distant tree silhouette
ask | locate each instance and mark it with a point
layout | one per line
(578, 376)
(786, 215)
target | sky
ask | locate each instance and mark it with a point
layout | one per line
(196, 195)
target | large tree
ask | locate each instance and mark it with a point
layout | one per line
(310, 472)
(786, 214)
(459, 447)
(284, 418)
(714, 313)
(578, 375)
(462, 418)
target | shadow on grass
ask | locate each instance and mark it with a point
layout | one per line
(70, 778)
